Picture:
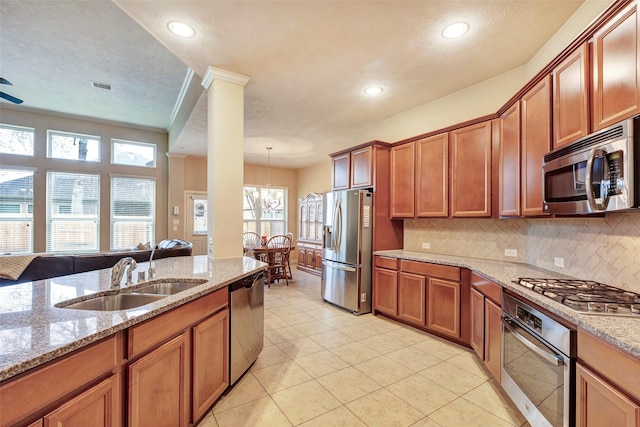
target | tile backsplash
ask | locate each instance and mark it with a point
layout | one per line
(605, 249)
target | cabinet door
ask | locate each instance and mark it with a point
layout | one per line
(317, 260)
(493, 337)
(536, 142)
(97, 407)
(616, 70)
(302, 256)
(412, 293)
(319, 220)
(510, 161)
(385, 291)
(402, 181)
(432, 176)
(210, 362)
(159, 386)
(362, 167)
(471, 171)
(477, 323)
(570, 98)
(340, 171)
(443, 307)
(304, 221)
(309, 259)
(598, 404)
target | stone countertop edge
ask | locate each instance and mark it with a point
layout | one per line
(218, 273)
(621, 332)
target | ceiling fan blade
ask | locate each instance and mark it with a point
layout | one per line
(4, 81)
(10, 98)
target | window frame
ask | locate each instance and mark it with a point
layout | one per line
(21, 128)
(113, 178)
(21, 216)
(52, 132)
(259, 219)
(153, 146)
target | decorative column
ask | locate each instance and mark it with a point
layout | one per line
(225, 161)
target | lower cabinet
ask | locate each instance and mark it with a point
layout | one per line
(443, 307)
(486, 323)
(310, 258)
(385, 286)
(412, 294)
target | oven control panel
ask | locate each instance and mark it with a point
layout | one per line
(534, 322)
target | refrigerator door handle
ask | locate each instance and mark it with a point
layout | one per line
(339, 227)
(338, 266)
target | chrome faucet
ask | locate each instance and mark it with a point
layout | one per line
(117, 271)
(151, 269)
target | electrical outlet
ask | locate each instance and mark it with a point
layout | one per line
(426, 245)
(558, 262)
(511, 252)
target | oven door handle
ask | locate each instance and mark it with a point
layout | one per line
(555, 359)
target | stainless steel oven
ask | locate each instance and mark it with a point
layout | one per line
(538, 363)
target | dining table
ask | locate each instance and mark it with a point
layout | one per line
(265, 253)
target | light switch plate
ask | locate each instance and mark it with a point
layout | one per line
(511, 252)
(426, 245)
(558, 262)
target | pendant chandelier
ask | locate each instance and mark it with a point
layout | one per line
(270, 198)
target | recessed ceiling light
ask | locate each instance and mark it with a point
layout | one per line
(373, 90)
(455, 30)
(181, 29)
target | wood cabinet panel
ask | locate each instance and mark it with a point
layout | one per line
(159, 386)
(509, 174)
(599, 404)
(471, 171)
(210, 362)
(431, 270)
(571, 97)
(443, 307)
(616, 69)
(412, 294)
(493, 338)
(317, 260)
(385, 262)
(36, 423)
(362, 167)
(536, 142)
(385, 291)
(403, 181)
(432, 176)
(477, 323)
(486, 287)
(97, 407)
(341, 171)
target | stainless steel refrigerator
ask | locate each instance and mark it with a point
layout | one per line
(346, 249)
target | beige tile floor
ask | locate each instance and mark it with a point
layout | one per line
(322, 366)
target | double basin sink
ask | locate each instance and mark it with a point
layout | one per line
(134, 297)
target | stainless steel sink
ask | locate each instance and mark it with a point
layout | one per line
(166, 288)
(115, 302)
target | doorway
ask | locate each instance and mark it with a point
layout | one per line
(196, 221)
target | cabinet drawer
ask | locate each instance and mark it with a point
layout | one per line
(146, 335)
(487, 288)
(384, 262)
(45, 385)
(431, 270)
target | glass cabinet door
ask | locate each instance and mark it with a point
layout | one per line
(319, 222)
(312, 221)
(304, 222)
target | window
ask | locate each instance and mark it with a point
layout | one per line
(16, 210)
(16, 140)
(73, 212)
(265, 210)
(133, 211)
(133, 153)
(61, 145)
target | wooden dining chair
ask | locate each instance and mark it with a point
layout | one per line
(278, 258)
(290, 236)
(249, 239)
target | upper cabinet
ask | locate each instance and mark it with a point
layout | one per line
(432, 176)
(362, 167)
(571, 97)
(403, 181)
(340, 171)
(471, 171)
(616, 69)
(509, 175)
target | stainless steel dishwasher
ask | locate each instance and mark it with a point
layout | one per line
(246, 302)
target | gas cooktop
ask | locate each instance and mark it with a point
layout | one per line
(586, 296)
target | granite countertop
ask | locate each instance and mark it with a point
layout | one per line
(33, 331)
(621, 332)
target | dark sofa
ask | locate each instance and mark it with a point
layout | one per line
(60, 265)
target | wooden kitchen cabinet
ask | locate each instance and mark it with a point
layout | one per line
(536, 142)
(432, 176)
(493, 337)
(571, 97)
(97, 407)
(159, 386)
(385, 286)
(616, 69)
(403, 181)
(412, 294)
(486, 322)
(443, 307)
(309, 245)
(471, 170)
(362, 167)
(509, 163)
(477, 322)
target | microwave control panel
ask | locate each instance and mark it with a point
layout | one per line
(616, 176)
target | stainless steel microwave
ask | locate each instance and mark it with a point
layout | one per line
(597, 173)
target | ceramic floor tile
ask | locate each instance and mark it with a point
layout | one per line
(384, 325)
(354, 352)
(274, 323)
(440, 348)
(452, 378)
(321, 363)
(208, 421)
(332, 339)
(314, 327)
(408, 336)
(286, 310)
(461, 412)
(325, 312)
(383, 370)
(270, 356)
(383, 408)
(469, 362)
(348, 384)
(259, 413)
(339, 417)
(296, 319)
(283, 334)
(305, 401)
(246, 390)
(383, 344)
(413, 358)
(281, 376)
(424, 395)
(492, 398)
(425, 422)
(300, 347)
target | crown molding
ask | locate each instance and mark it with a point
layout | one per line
(218, 73)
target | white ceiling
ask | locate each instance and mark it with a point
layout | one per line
(309, 61)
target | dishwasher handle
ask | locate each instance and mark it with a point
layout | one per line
(247, 283)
